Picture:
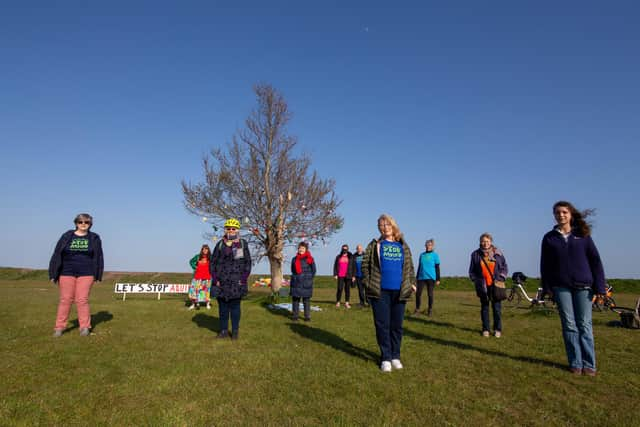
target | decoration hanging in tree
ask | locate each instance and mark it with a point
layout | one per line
(257, 177)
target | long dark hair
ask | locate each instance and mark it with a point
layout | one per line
(202, 255)
(579, 221)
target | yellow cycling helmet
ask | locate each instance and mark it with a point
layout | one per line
(232, 222)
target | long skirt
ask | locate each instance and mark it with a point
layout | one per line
(199, 290)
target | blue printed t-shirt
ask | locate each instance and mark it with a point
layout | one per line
(391, 261)
(427, 268)
(358, 257)
(77, 257)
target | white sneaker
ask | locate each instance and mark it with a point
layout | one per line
(208, 306)
(347, 305)
(385, 366)
(192, 307)
(498, 334)
(338, 304)
(396, 363)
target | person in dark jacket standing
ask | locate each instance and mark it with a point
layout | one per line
(343, 270)
(571, 272)
(358, 256)
(389, 281)
(76, 263)
(303, 270)
(488, 265)
(230, 268)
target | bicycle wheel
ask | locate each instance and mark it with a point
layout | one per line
(610, 303)
(513, 298)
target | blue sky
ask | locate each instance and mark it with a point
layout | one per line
(454, 117)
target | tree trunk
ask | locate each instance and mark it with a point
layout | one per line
(276, 273)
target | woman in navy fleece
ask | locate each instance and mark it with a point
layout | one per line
(571, 271)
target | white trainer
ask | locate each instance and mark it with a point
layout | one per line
(385, 366)
(208, 306)
(192, 307)
(397, 364)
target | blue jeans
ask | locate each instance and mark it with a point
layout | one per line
(226, 308)
(388, 314)
(497, 314)
(574, 306)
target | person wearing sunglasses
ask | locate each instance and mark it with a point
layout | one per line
(230, 268)
(76, 263)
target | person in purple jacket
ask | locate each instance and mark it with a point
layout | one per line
(571, 271)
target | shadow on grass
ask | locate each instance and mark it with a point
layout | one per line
(332, 340)
(277, 311)
(464, 346)
(96, 319)
(206, 321)
(437, 323)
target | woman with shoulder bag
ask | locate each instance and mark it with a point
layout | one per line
(487, 270)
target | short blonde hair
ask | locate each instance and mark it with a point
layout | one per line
(397, 234)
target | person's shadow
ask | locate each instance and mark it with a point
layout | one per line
(276, 311)
(332, 340)
(465, 346)
(96, 319)
(206, 321)
(437, 323)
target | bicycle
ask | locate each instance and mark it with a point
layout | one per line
(604, 302)
(517, 294)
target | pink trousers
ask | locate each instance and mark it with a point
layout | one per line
(74, 289)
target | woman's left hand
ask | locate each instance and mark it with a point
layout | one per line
(413, 288)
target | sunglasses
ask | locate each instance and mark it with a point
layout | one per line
(230, 228)
(83, 222)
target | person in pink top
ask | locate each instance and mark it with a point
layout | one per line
(343, 272)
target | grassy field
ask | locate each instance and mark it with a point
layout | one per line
(151, 362)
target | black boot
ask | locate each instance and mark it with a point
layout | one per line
(223, 334)
(234, 335)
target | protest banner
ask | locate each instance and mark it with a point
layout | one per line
(151, 288)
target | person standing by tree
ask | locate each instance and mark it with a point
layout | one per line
(357, 258)
(488, 265)
(389, 280)
(230, 269)
(428, 275)
(76, 263)
(199, 290)
(571, 272)
(303, 270)
(343, 273)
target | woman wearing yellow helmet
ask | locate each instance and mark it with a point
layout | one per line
(230, 269)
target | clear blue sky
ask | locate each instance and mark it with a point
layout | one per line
(454, 117)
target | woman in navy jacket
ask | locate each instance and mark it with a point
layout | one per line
(571, 272)
(303, 270)
(76, 263)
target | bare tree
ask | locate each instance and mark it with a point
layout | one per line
(258, 180)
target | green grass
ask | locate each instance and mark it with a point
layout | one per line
(152, 362)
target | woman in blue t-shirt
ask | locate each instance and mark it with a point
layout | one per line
(389, 281)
